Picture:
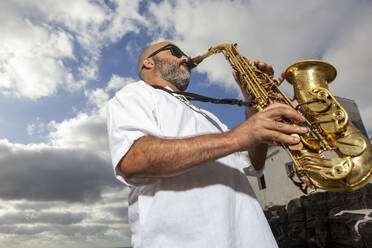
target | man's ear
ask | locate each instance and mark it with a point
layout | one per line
(148, 63)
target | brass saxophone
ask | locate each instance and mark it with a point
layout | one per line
(333, 155)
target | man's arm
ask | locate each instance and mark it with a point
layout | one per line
(154, 157)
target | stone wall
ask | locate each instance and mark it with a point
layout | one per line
(324, 219)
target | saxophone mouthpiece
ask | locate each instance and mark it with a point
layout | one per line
(192, 63)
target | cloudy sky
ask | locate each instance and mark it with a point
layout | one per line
(60, 61)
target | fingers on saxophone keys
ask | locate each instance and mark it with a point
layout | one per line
(276, 138)
(287, 128)
(236, 76)
(264, 67)
(278, 110)
(281, 78)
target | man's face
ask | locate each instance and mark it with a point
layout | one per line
(173, 70)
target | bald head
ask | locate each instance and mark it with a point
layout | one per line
(167, 66)
(149, 50)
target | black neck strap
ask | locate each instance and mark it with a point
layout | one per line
(196, 97)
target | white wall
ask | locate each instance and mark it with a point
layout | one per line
(279, 189)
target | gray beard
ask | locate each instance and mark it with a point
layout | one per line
(169, 70)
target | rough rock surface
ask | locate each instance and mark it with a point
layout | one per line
(324, 220)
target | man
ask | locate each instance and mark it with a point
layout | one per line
(186, 170)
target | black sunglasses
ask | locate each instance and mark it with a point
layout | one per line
(173, 49)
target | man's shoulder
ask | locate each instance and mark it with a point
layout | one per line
(134, 87)
(138, 89)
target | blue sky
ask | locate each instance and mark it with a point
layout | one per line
(60, 61)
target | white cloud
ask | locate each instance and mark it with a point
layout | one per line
(35, 127)
(74, 167)
(116, 82)
(366, 114)
(54, 223)
(31, 64)
(260, 28)
(42, 172)
(30, 129)
(47, 45)
(350, 55)
(87, 130)
(84, 131)
(97, 98)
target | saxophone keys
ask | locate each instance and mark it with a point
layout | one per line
(296, 147)
(310, 142)
(336, 168)
(352, 144)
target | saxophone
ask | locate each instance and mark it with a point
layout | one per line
(333, 155)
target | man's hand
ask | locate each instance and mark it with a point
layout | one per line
(264, 67)
(264, 127)
(268, 69)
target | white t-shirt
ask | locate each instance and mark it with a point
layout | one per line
(210, 205)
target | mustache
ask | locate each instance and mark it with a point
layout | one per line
(188, 63)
